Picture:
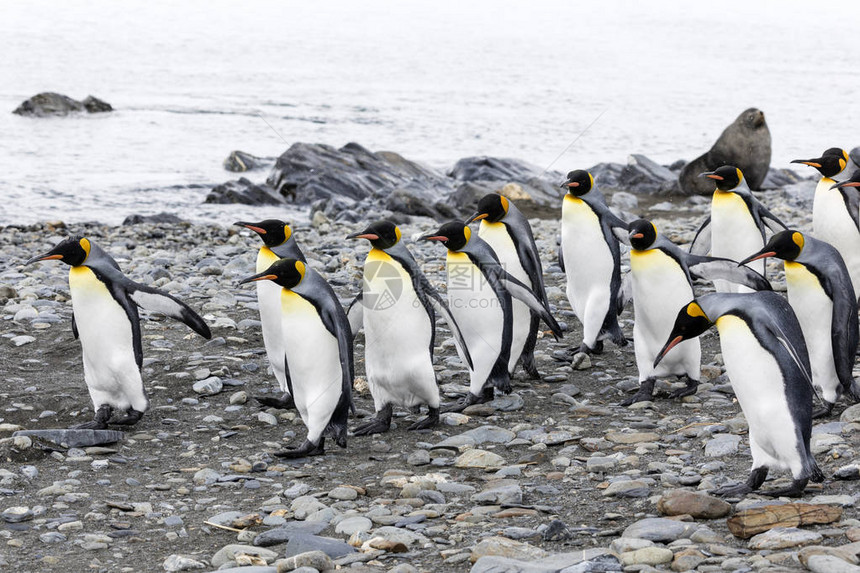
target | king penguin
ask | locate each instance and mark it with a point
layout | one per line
(398, 312)
(591, 259)
(278, 243)
(768, 366)
(105, 318)
(318, 353)
(822, 296)
(662, 274)
(736, 226)
(836, 210)
(479, 295)
(509, 234)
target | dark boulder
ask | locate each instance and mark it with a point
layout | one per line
(159, 218)
(239, 162)
(244, 192)
(643, 175)
(52, 104)
(497, 174)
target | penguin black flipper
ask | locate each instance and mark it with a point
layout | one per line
(843, 338)
(74, 327)
(851, 197)
(764, 218)
(561, 258)
(355, 314)
(711, 268)
(287, 378)
(522, 292)
(701, 243)
(338, 325)
(155, 300)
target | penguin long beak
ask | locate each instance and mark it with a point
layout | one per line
(363, 235)
(432, 237)
(811, 162)
(757, 256)
(669, 346)
(44, 257)
(569, 184)
(638, 236)
(712, 175)
(264, 276)
(849, 183)
(476, 217)
(251, 226)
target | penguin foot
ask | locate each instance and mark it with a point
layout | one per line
(487, 395)
(307, 449)
(285, 402)
(530, 368)
(688, 390)
(737, 490)
(131, 418)
(823, 411)
(794, 490)
(596, 349)
(375, 426)
(644, 394)
(99, 422)
(566, 355)
(430, 421)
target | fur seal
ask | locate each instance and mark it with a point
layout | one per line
(744, 144)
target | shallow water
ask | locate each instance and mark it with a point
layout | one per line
(435, 81)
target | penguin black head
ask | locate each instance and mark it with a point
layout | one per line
(274, 232)
(578, 182)
(830, 164)
(285, 272)
(492, 207)
(381, 234)
(786, 245)
(455, 235)
(72, 251)
(727, 177)
(642, 234)
(854, 181)
(690, 323)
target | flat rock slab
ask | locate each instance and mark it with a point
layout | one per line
(698, 505)
(749, 522)
(783, 537)
(303, 542)
(284, 533)
(659, 529)
(74, 438)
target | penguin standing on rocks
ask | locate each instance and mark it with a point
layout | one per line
(836, 209)
(768, 366)
(591, 259)
(661, 276)
(278, 243)
(479, 295)
(736, 226)
(318, 353)
(398, 312)
(822, 296)
(509, 234)
(105, 318)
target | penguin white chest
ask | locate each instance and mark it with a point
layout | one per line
(269, 301)
(660, 290)
(760, 389)
(831, 222)
(106, 335)
(587, 258)
(734, 235)
(814, 310)
(397, 332)
(313, 361)
(498, 237)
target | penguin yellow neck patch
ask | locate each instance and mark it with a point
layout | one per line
(377, 255)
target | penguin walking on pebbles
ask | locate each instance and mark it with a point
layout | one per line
(737, 224)
(397, 309)
(661, 276)
(278, 243)
(479, 295)
(591, 258)
(768, 366)
(318, 359)
(822, 296)
(105, 318)
(509, 234)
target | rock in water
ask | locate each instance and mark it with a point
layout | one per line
(244, 192)
(50, 103)
(745, 144)
(74, 438)
(239, 162)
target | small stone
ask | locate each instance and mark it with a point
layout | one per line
(418, 458)
(647, 556)
(627, 488)
(782, 537)
(16, 514)
(600, 464)
(722, 445)
(830, 564)
(479, 459)
(632, 437)
(206, 476)
(506, 493)
(181, 563)
(504, 547)
(22, 340)
(698, 505)
(240, 397)
(267, 419)
(209, 386)
(343, 493)
(303, 542)
(659, 529)
(316, 560)
(352, 525)
(230, 552)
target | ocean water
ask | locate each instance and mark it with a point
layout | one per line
(559, 83)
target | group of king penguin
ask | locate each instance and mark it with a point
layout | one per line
(779, 354)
